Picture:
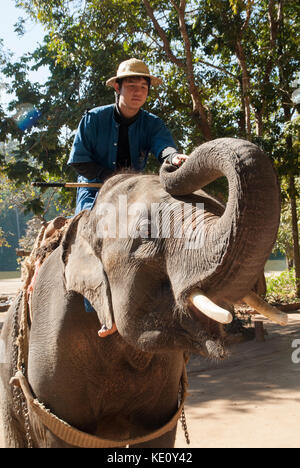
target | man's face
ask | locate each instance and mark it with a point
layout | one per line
(133, 93)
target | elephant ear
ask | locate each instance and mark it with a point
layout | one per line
(84, 272)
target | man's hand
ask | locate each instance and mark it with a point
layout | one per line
(179, 159)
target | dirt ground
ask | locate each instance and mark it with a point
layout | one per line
(250, 401)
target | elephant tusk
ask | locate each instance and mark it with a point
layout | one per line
(275, 315)
(209, 308)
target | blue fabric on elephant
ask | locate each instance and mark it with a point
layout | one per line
(86, 196)
(88, 306)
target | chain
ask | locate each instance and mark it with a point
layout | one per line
(19, 401)
(181, 396)
(184, 426)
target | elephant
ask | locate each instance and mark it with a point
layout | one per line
(159, 291)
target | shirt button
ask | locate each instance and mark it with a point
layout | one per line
(115, 144)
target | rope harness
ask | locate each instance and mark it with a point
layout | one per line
(77, 438)
(29, 405)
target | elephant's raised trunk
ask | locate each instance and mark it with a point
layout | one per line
(238, 243)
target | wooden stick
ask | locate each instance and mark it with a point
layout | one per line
(66, 184)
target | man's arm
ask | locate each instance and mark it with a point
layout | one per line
(92, 170)
(82, 153)
(163, 145)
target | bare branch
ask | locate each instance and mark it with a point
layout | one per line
(240, 53)
(198, 107)
(163, 36)
(273, 25)
(223, 70)
(239, 50)
(175, 5)
(248, 15)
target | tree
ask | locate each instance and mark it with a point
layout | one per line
(17, 204)
(227, 66)
(285, 238)
(3, 241)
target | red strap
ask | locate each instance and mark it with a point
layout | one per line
(37, 265)
(107, 331)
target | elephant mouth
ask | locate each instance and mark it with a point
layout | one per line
(203, 335)
(209, 344)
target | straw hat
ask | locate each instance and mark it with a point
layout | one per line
(133, 67)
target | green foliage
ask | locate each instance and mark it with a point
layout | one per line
(244, 63)
(33, 226)
(284, 242)
(282, 288)
(3, 241)
(12, 223)
(87, 40)
(17, 203)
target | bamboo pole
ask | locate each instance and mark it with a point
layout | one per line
(66, 184)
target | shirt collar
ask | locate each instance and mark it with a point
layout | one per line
(119, 117)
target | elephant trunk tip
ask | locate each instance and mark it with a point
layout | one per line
(216, 350)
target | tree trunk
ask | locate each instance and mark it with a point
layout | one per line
(198, 108)
(259, 123)
(242, 121)
(295, 231)
(245, 85)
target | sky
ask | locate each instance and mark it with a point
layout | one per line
(19, 45)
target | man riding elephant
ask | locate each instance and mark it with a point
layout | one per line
(120, 135)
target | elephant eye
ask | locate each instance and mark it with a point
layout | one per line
(142, 229)
(145, 228)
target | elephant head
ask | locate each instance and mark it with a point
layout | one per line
(152, 246)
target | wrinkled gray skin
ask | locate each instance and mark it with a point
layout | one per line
(126, 385)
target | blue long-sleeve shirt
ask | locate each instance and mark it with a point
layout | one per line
(96, 141)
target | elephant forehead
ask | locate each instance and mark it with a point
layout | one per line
(134, 187)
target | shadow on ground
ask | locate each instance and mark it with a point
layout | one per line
(250, 400)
